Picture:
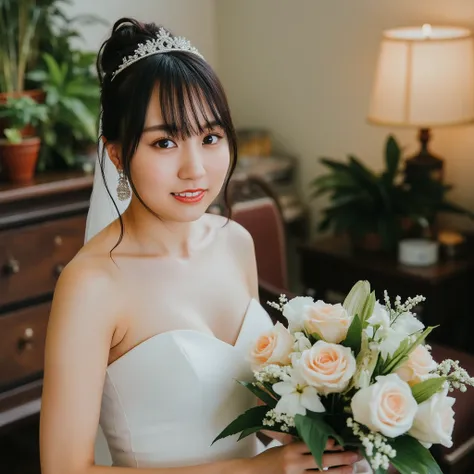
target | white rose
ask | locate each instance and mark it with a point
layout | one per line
(329, 321)
(293, 312)
(387, 406)
(327, 367)
(418, 366)
(272, 347)
(434, 421)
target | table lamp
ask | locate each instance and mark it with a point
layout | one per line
(424, 78)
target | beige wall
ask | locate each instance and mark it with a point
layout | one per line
(303, 69)
(194, 19)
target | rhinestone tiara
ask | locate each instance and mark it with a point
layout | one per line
(163, 43)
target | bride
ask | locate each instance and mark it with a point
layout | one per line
(152, 320)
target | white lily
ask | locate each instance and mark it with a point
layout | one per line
(355, 300)
(297, 396)
(390, 334)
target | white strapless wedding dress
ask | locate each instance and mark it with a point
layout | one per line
(166, 399)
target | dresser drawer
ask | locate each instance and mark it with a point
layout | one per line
(22, 340)
(31, 258)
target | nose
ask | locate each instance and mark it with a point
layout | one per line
(192, 166)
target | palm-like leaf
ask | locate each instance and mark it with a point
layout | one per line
(362, 201)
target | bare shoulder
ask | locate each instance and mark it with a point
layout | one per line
(85, 289)
(240, 243)
(238, 237)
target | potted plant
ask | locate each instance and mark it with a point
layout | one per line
(18, 153)
(377, 209)
(72, 97)
(18, 22)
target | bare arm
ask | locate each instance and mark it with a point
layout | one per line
(80, 331)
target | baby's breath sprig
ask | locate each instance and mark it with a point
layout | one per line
(399, 307)
(282, 300)
(457, 377)
(375, 445)
(283, 421)
(409, 304)
(271, 373)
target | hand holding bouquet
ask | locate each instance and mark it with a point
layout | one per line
(359, 373)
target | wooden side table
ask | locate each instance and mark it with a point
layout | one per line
(332, 264)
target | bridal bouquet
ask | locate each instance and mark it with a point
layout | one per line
(359, 373)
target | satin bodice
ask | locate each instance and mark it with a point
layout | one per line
(166, 399)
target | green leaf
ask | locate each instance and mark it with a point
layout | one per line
(354, 335)
(250, 419)
(316, 337)
(361, 172)
(55, 72)
(405, 349)
(335, 165)
(13, 135)
(84, 118)
(315, 432)
(249, 431)
(413, 457)
(261, 394)
(425, 390)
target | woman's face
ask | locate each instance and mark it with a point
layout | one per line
(179, 179)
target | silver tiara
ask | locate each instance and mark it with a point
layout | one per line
(163, 43)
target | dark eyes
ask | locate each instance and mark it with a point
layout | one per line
(166, 143)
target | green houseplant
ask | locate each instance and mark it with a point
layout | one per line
(19, 153)
(18, 23)
(377, 209)
(72, 96)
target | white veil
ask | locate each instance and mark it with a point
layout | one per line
(101, 209)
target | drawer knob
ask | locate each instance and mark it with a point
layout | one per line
(12, 266)
(26, 341)
(58, 269)
(58, 240)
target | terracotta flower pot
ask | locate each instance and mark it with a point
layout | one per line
(18, 160)
(37, 94)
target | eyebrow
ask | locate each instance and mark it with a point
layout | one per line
(165, 128)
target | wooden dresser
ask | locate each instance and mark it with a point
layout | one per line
(41, 228)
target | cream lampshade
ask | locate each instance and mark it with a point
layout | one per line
(424, 78)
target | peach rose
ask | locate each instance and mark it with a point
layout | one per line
(327, 367)
(387, 406)
(272, 347)
(329, 321)
(419, 364)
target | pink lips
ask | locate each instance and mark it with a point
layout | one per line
(197, 196)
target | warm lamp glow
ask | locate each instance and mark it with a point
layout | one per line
(424, 77)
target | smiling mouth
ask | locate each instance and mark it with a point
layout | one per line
(191, 196)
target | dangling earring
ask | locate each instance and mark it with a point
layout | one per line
(123, 189)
